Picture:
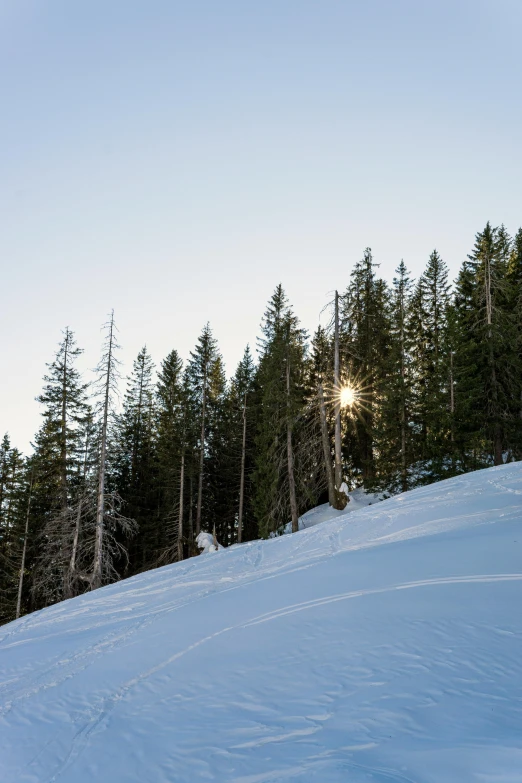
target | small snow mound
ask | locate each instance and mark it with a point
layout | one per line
(205, 542)
(357, 499)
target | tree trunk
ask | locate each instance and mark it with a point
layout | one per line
(8, 512)
(337, 400)
(497, 430)
(290, 456)
(190, 519)
(24, 551)
(242, 477)
(201, 455)
(63, 439)
(332, 495)
(100, 500)
(180, 524)
(404, 471)
(76, 538)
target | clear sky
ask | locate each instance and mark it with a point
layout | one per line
(176, 160)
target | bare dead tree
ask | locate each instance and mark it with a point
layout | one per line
(107, 382)
(52, 578)
(24, 551)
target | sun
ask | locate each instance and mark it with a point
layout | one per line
(347, 396)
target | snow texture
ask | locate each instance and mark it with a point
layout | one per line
(205, 542)
(384, 645)
(356, 500)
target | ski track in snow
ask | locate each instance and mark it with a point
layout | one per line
(260, 663)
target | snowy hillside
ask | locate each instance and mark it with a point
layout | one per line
(357, 499)
(383, 645)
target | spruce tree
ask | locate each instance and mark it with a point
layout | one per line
(487, 388)
(171, 453)
(326, 400)
(12, 479)
(365, 342)
(242, 427)
(135, 463)
(431, 348)
(514, 281)
(206, 386)
(394, 430)
(57, 464)
(288, 443)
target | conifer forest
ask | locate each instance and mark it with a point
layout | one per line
(407, 382)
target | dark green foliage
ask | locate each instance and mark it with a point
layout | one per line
(57, 471)
(430, 347)
(171, 444)
(244, 413)
(283, 419)
(134, 469)
(365, 345)
(12, 525)
(487, 364)
(394, 431)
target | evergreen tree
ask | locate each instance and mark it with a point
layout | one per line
(394, 430)
(287, 464)
(514, 280)
(171, 453)
(487, 366)
(365, 346)
(206, 387)
(431, 349)
(12, 477)
(64, 398)
(135, 463)
(241, 444)
(219, 510)
(57, 466)
(326, 400)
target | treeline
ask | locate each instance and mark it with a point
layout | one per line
(409, 383)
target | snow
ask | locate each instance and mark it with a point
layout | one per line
(358, 498)
(205, 542)
(381, 646)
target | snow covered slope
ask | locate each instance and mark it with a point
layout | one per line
(384, 645)
(324, 513)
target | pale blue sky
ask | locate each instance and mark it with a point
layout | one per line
(176, 160)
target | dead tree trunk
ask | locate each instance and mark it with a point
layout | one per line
(24, 552)
(72, 563)
(63, 434)
(290, 455)
(242, 476)
(180, 523)
(100, 500)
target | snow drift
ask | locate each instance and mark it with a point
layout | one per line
(384, 645)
